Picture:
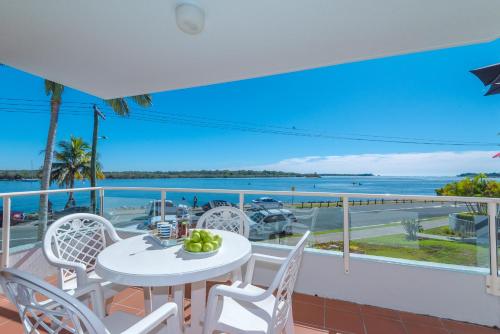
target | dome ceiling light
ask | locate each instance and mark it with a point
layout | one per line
(190, 18)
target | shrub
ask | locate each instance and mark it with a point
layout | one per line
(412, 227)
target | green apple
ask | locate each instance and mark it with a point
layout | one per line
(195, 247)
(208, 247)
(207, 238)
(196, 236)
(218, 238)
(187, 241)
(215, 244)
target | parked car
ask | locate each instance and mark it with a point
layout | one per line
(16, 217)
(216, 203)
(266, 224)
(266, 203)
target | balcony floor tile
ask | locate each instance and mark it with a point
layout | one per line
(312, 315)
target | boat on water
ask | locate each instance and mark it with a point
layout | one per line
(29, 180)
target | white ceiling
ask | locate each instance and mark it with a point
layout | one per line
(112, 48)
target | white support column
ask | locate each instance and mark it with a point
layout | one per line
(493, 281)
(242, 201)
(101, 202)
(345, 207)
(162, 208)
(6, 232)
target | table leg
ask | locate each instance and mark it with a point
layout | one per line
(178, 296)
(148, 307)
(198, 301)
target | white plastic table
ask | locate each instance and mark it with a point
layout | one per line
(141, 261)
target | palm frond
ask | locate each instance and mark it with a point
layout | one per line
(54, 89)
(119, 106)
(72, 162)
(143, 100)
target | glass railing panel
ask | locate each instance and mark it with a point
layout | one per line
(25, 225)
(131, 210)
(284, 219)
(430, 231)
(198, 203)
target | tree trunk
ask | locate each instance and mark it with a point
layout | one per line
(93, 162)
(47, 168)
(71, 197)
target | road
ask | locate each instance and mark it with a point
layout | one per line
(328, 218)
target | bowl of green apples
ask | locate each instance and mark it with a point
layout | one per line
(202, 243)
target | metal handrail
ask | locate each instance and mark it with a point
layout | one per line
(265, 192)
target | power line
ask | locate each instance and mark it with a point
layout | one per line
(151, 115)
(151, 112)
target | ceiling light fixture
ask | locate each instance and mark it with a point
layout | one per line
(190, 18)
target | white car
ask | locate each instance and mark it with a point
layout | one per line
(266, 203)
(266, 224)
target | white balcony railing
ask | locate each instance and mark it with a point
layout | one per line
(342, 201)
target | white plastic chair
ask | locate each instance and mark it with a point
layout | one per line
(44, 308)
(225, 218)
(230, 219)
(72, 243)
(246, 308)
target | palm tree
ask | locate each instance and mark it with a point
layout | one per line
(72, 163)
(55, 91)
(121, 107)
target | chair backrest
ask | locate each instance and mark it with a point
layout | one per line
(284, 283)
(46, 309)
(225, 218)
(77, 238)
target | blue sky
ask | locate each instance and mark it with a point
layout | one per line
(425, 95)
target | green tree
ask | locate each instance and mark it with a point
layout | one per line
(479, 186)
(72, 162)
(55, 91)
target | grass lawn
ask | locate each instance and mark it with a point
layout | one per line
(443, 230)
(438, 251)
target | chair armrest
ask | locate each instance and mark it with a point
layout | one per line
(221, 290)
(79, 268)
(235, 293)
(148, 323)
(261, 258)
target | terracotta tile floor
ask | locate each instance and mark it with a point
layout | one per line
(312, 315)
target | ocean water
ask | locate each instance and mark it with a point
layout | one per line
(365, 184)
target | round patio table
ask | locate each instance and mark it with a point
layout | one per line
(142, 261)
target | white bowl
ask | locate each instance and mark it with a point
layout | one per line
(201, 254)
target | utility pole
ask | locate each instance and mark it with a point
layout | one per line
(93, 159)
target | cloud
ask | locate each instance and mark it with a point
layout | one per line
(443, 163)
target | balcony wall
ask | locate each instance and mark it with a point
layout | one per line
(424, 289)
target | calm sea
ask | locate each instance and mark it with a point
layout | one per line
(367, 184)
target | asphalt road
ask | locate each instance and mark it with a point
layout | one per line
(328, 218)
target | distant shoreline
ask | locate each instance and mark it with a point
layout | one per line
(476, 174)
(33, 175)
